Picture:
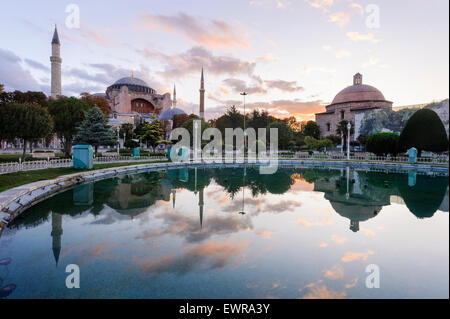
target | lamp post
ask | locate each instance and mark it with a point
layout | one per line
(244, 94)
(349, 126)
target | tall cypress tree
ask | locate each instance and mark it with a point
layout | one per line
(95, 131)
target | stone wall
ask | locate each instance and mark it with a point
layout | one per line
(334, 116)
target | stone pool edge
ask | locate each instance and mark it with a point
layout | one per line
(16, 200)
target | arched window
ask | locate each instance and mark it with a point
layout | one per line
(328, 127)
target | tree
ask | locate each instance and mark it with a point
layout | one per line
(131, 144)
(25, 121)
(294, 124)
(424, 131)
(189, 125)
(285, 134)
(315, 144)
(18, 97)
(95, 131)
(336, 139)
(151, 133)
(311, 128)
(126, 131)
(96, 101)
(342, 130)
(362, 139)
(179, 120)
(383, 143)
(232, 119)
(67, 114)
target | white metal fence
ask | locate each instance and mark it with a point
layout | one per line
(34, 165)
(54, 163)
(365, 157)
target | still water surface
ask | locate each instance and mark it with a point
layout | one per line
(198, 233)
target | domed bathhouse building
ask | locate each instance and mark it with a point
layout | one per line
(133, 101)
(350, 104)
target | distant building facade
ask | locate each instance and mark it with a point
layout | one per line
(348, 103)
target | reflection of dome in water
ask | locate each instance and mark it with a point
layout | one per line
(356, 212)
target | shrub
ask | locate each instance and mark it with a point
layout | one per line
(131, 144)
(383, 143)
(424, 131)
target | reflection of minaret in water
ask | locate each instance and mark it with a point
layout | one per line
(200, 207)
(174, 192)
(56, 235)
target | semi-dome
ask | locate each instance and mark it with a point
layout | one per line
(358, 92)
(133, 84)
(170, 113)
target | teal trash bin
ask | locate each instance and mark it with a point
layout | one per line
(412, 154)
(83, 157)
(136, 152)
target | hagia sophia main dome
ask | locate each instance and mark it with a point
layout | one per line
(129, 94)
(355, 99)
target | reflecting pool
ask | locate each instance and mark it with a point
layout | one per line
(233, 233)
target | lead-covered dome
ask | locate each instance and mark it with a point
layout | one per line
(358, 92)
(133, 84)
(169, 114)
(131, 81)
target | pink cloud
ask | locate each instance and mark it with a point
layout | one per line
(208, 32)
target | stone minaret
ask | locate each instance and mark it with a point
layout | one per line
(200, 207)
(56, 235)
(56, 66)
(174, 101)
(202, 97)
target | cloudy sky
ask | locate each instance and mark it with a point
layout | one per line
(292, 56)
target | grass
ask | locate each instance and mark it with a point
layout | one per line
(11, 180)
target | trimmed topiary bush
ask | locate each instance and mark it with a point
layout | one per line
(424, 131)
(383, 143)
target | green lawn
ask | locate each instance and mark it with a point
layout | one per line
(12, 180)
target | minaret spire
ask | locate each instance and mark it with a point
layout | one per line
(56, 62)
(200, 207)
(56, 235)
(174, 101)
(202, 97)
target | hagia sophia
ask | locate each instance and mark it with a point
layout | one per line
(131, 100)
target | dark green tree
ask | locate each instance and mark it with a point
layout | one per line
(67, 114)
(424, 131)
(383, 143)
(189, 125)
(95, 131)
(25, 121)
(311, 128)
(151, 133)
(285, 134)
